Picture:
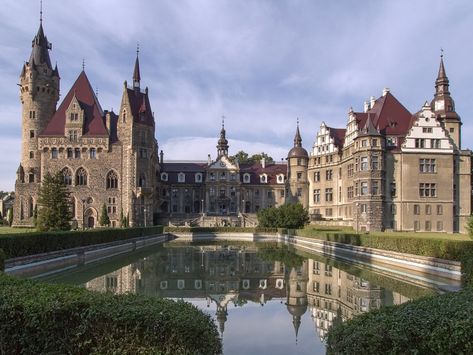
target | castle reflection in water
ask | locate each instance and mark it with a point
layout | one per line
(237, 274)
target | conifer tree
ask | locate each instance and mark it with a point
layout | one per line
(104, 219)
(54, 206)
(122, 219)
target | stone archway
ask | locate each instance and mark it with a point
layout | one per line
(90, 218)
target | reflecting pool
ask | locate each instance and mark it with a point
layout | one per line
(264, 298)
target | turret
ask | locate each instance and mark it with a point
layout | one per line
(222, 146)
(136, 72)
(444, 106)
(298, 160)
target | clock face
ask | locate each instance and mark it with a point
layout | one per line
(439, 105)
(222, 164)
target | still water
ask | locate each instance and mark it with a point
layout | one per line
(264, 298)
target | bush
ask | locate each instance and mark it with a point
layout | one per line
(2, 260)
(285, 216)
(22, 244)
(39, 318)
(219, 230)
(431, 325)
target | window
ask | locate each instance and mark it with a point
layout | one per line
(299, 176)
(451, 130)
(281, 193)
(269, 193)
(328, 212)
(77, 153)
(32, 134)
(143, 153)
(428, 226)
(374, 162)
(299, 192)
(74, 116)
(233, 177)
(112, 180)
(374, 187)
(364, 163)
(31, 155)
(435, 143)
(142, 181)
(246, 178)
(67, 176)
(364, 188)
(124, 116)
(350, 170)
(317, 176)
(81, 177)
(428, 209)
(374, 142)
(416, 225)
(329, 195)
(198, 177)
(316, 286)
(416, 209)
(93, 153)
(328, 289)
(54, 153)
(32, 114)
(427, 165)
(427, 190)
(420, 143)
(263, 179)
(223, 176)
(393, 209)
(181, 177)
(316, 196)
(391, 141)
(350, 192)
(393, 189)
(439, 210)
(328, 174)
(31, 177)
(70, 153)
(439, 226)
(426, 129)
(280, 179)
(363, 208)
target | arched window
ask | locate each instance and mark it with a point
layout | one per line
(112, 180)
(67, 175)
(81, 177)
(142, 181)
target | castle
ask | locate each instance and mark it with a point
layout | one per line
(388, 169)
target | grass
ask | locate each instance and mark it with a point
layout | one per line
(10, 230)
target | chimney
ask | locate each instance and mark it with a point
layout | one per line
(161, 157)
(108, 121)
(372, 100)
(385, 91)
(209, 160)
(263, 162)
(366, 106)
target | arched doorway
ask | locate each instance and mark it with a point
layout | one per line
(90, 222)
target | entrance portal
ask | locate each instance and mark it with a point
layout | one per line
(90, 222)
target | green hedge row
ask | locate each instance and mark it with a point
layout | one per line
(219, 230)
(39, 318)
(2, 260)
(431, 325)
(21, 244)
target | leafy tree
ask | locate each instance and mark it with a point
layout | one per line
(286, 216)
(10, 216)
(243, 157)
(54, 212)
(104, 219)
(256, 158)
(35, 216)
(469, 226)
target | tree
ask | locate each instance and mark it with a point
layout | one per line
(10, 216)
(469, 226)
(54, 204)
(122, 219)
(256, 158)
(35, 216)
(243, 158)
(104, 219)
(286, 216)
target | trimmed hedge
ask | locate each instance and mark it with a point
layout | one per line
(22, 244)
(460, 250)
(2, 260)
(39, 318)
(432, 325)
(219, 230)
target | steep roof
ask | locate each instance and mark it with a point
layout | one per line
(94, 124)
(256, 169)
(338, 135)
(140, 106)
(40, 47)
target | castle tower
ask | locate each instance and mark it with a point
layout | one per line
(296, 304)
(444, 106)
(298, 160)
(39, 94)
(222, 146)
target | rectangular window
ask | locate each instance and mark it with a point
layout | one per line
(299, 176)
(416, 225)
(328, 174)
(439, 226)
(416, 209)
(364, 163)
(317, 176)
(316, 196)
(77, 153)
(70, 153)
(428, 209)
(328, 212)
(329, 195)
(350, 192)
(426, 129)
(427, 165)
(435, 143)
(427, 190)
(31, 155)
(420, 143)
(374, 162)
(364, 143)
(439, 210)
(32, 114)
(281, 193)
(393, 189)
(374, 188)
(54, 153)
(363, 208)
(350, 170)
(364, 188)
(93, 153)
(428, 226)
(374, 142)
(299, 192)
(393, 209)
(32, 134)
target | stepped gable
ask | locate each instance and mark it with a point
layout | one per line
(256, 169)
(94, 124)
(140, 106)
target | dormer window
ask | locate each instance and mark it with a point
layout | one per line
(164, 176)
(246, 178)
(198, 177)
(74, 116)
(263, 178)
(181, 177)
(280, 179)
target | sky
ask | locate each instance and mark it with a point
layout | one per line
(260, 63)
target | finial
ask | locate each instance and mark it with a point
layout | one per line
(96, 91)
(137, 48)
(223, 121)
(41, 11)
(83, 64)
(441, 52)
(297, 121)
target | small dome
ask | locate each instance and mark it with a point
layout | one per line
(298, 152)
(298, 310)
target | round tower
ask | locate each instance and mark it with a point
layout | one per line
(297, 163)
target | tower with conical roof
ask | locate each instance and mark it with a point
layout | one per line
(444, 106)
(222, 146)
(39, 94)
(297, 182)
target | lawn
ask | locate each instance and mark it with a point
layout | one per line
(9, 230)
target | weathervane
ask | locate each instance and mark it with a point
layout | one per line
(41, 11)
(137, 48)
(223, 121)
(83, 64)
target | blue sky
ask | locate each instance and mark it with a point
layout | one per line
(260, 63)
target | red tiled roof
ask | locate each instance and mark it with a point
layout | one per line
(94, 124)
(140, 107)
(338, 135)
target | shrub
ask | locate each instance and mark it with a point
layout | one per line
(2, 260)
(469, 226)
(22, 244)
(39, 318)
(285, 216)
(431, 325)
(104, 219)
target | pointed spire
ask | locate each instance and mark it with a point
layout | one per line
(442, 82)
(369, 129)
(41, 46)
(222, 146)
(41, 11)
(136, 71)
(297, 137)
(441, 74)
(296, 322)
